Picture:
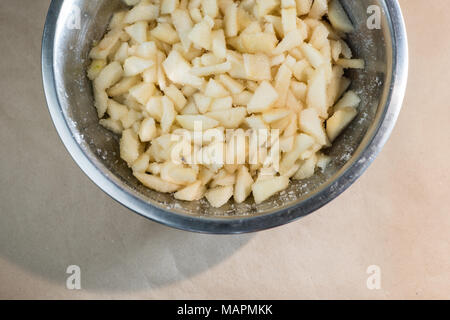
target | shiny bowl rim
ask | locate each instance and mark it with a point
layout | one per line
(230, 225)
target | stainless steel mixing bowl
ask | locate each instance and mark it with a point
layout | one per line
(73, 25)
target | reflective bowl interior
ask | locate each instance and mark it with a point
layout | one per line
(74, 92)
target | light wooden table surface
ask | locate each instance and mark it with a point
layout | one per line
(397, 216)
